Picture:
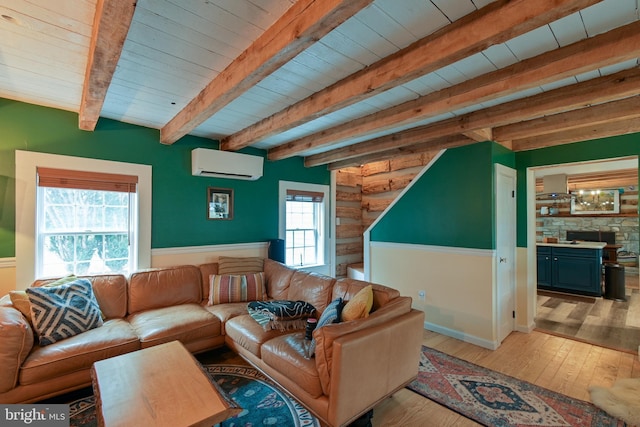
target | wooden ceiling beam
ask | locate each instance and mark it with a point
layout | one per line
(480, 135)
(615, 46)
(585, 133)
(303, 24)
(421, 147)
(623, 109)
(383, 143)
(622, 84)
(493, 24)
(110, 27)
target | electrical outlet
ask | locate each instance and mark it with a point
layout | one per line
(422, 294)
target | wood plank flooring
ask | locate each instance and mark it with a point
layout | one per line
(559, 364)
(612, 324)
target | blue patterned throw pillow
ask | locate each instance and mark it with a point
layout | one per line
(63, 311)
(330, 315)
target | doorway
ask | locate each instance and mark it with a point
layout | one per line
(594, 320)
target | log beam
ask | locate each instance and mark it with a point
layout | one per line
(110, 27)
(615, 46)
(493, 24)
(304, 23)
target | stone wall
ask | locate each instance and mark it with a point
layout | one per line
(626, 228)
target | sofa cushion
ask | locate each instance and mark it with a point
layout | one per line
(60, 312)
(79, 352)
(240, 265)
(185, 322)
(311, 287)
(110, 291)
(206, 270)
(287, 355)
(248, 334)
(16, 341)
(236, 288)
(359, 306)
(278, 277)
(224, 312)
(164, 287)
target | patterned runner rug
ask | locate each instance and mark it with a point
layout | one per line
(494, 399)
(263, 402)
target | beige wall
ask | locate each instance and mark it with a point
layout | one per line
(459, 286)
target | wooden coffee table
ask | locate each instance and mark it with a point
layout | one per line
(162, 385)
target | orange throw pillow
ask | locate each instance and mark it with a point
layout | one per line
(359, 306)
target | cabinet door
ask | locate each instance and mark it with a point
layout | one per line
(544, 270)
(576, 274)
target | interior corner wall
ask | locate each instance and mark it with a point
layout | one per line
(179, 204)
(440, 238)
(450, 205)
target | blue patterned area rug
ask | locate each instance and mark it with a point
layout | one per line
(263, 402)
(494, 399)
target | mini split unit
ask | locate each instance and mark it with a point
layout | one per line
(225, 164)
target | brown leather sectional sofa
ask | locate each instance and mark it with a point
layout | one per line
(357, 363)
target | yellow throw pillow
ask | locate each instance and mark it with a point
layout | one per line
(20, 302)
(240, 265)
(359, 306)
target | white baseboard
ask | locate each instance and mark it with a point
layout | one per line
(481, 342)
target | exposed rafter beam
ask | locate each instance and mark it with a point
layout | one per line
(421, 147)
(110, 27)
(623, 109)
(480, 135)
(383, 143)
(493, 24)
(609, 48)
(600, 90)
(304, 23)
(585, 133)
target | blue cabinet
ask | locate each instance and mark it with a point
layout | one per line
(544, 266)
(571, 270)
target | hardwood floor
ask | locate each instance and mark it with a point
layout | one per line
(613, 324)
(560, 364)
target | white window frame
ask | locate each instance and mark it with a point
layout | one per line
(325, 267)
(27, 163)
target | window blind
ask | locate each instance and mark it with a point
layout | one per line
(304, 196)
(62, 178)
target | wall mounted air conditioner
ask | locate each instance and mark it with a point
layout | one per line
(225, 164)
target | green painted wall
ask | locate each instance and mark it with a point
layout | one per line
(452, 204)
(597, 149)
(178, 199)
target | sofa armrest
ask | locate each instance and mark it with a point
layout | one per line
(326, 335)
(16, 336)
(371, 364)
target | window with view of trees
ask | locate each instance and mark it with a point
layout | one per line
(304, 227)
(84, 223)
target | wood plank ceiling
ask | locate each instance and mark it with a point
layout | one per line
(339, 82)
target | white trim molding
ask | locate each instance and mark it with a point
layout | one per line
(438, 249)
(8, 262)
(491, 345)
(185, 250)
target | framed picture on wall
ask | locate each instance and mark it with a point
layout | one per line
(590, 202)
(219, 203)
